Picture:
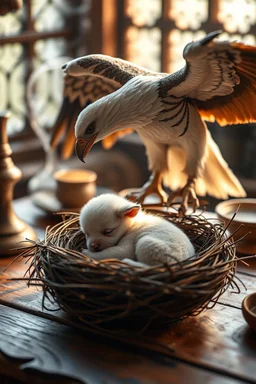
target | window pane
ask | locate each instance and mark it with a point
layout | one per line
(48, 15)
(247, 39)
(144, 12)
(143, 47)
(237, 15)
(11, 24)
(12, 72)
(188, 14)
(46, 50)
(46, 93)
(19, 60)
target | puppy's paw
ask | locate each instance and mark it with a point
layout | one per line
(134, 263)
(88, 253)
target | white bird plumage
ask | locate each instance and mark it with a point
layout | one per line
(218, 83)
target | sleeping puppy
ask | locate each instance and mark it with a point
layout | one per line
(117, 228)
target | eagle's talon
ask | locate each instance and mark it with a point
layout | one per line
(141, 194)
(182, 210)
(152, 186)
(189, 197)
(131, 196)
(136, 196)
(195, 204)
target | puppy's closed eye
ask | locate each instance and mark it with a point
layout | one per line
(108, 231)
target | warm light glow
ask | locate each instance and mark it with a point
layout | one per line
(13, 63)
(188, 14)
(148, 40)
(109, 27)
(143, 47)
(144, 12)
(247, 39)
(237, 15)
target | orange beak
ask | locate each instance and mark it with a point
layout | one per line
(83, 146)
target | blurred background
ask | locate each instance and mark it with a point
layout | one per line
(151, 33)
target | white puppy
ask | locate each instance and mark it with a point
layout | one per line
(117, 228)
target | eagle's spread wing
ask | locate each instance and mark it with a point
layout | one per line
(118, 71)
(78, 93)
(219, 77)
(88, 79)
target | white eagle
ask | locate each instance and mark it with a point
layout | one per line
(217, 83)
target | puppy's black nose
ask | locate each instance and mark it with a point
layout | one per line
(95, 246)
(64, 66)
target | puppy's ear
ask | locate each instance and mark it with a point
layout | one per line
(129, 211)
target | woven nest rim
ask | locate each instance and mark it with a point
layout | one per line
(100, 293)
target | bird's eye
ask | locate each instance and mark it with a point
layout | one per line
(90, 129)
(108, 232)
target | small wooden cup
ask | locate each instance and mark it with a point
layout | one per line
(249, 310)
(246, 215)
(75, 187)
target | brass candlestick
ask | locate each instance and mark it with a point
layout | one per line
(12, 229)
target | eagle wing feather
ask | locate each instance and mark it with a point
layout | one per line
(219, 78)
(88, 79)
(78, 93)
(240, 105)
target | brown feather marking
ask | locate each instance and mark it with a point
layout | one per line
(78, 92)
(112, 68)
(60, 123)
(172, 81)
(239, 106)
(69, 143)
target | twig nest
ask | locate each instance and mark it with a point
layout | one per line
(110, 293)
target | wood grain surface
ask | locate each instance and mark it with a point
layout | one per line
(39, 344)
(218, 339)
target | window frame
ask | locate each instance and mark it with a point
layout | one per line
(27, 38)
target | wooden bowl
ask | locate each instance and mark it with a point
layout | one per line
(75, 187)
(245, 216)
(249, 310)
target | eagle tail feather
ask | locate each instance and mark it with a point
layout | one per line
(217, 179)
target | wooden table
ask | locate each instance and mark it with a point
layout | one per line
(40, 347)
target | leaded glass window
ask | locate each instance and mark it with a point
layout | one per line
(156, 31)
(39, 32)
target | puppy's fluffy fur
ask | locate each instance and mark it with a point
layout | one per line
(117, 228)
